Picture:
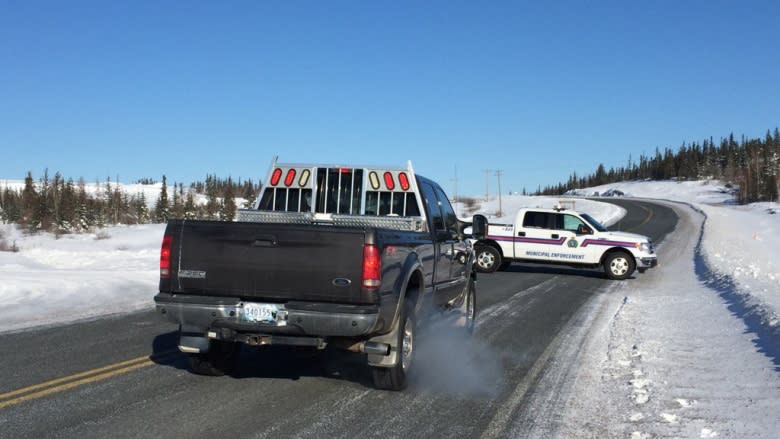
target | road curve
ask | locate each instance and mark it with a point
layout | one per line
(122, 376)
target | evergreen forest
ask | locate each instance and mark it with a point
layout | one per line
(59, 206)
(751, 166)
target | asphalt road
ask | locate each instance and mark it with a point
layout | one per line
(123, 377)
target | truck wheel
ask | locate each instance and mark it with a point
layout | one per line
(394, 378)
(488, 259)
(219, 360)
(619, 265)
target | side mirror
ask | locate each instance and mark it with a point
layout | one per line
(479, 227)
(584, 230)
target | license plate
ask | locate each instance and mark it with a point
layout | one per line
(260, 312)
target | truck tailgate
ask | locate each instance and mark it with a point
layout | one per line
(269, 261)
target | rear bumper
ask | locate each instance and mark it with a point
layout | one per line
(224, 316)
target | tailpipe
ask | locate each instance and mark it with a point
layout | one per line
(374, 348)
(368, 347)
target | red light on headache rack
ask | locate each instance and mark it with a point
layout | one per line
(403, 180)
(389, 182)
(290, 178)
(276, 176)
(345, 170)
(165, 257)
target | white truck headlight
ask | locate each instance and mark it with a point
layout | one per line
(645, 247)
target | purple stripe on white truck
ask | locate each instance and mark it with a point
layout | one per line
(588, 242)
(558, 241)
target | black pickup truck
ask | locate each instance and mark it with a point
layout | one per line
(329, 257)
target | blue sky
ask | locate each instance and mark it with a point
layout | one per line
(138, 89)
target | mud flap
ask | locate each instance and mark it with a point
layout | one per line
(192, 340)
(390, 338)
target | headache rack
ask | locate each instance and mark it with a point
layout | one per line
(413, 224)
(353, 196)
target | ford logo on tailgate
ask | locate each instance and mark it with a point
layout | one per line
(341, 282)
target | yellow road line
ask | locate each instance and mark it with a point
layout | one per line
(79, 379)
(71, 377)
(72, 384)
(650, 214)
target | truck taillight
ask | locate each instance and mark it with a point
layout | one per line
(372, 267)
(165, 257)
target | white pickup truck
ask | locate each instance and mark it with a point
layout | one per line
(559, 236)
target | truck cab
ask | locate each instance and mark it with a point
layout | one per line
(566, 237)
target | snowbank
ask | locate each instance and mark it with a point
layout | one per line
(740, 242)
(669, 361)
(77, 276)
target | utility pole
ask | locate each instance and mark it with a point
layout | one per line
(499, 172)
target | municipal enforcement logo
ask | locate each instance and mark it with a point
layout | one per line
(573, 243)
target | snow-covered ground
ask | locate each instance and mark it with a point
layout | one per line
(688, 349)
(741, 243)
(664, 355)
(78, 275)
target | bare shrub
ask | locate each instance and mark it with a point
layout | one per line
(6, 247)
(470, 204)
(101, 235)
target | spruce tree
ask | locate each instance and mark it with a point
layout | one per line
(190, 211)
(213, 206)
(178, 204)
(162, 208)
(228, 209)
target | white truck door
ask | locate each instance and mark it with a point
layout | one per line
(575, 230)
(537, 236)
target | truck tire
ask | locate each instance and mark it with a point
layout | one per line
(395, 377)
(619, 265)
(220, 359)
(488, 258)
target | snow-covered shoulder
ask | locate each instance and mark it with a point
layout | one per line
(740, 242)
(75, 276)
